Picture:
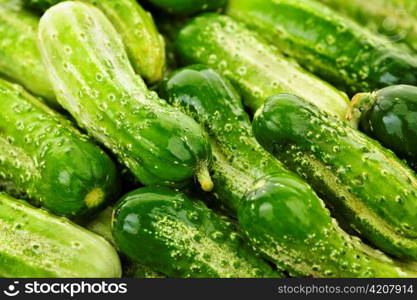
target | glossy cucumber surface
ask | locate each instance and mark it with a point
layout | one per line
(390, 116)
(289, 225)
(397, 19)
(182, 238)
(35, 243)
(328, 44)
(187, 7)
(20, 59)
(144, 45)
(47, 159)
(365, 184)
(255, 68)
(96, 84)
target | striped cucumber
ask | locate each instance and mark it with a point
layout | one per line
(244, 165)
(34, 243)
(20, 59)
(328, 44)
(144, 45)
(95, 82)
(182, 238)
(366, 185)
(397, 19)
(256, 69)
(50, 161)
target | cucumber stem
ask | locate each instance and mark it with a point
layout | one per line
(204, 178)
(94, 198)
(360, 104)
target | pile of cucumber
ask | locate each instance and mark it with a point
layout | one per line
(208, 138)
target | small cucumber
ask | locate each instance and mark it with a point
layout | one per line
(20, 59)
(187, 7)
(211, 100)
(288, 224)
(390, 116)
(256, 69)
(397, 19)
(328, 44)
(34, 243)
(144, 45)
(365, 185)
(95, 82)
(182, 238)
(50, 161)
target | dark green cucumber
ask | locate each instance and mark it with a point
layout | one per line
(182, 238)
(20, 60)
(34, 243)
(288, 224)
(144, 45)
(256, 69)
(95, 82)
(187, 7)
(50, 161)
(328, 44)
(101, 225)
(211, 100)
(240, 161)
(397, 19)
(365, 184)
(390, 116)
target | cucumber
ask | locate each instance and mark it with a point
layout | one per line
(397, 19)
(96, 84)
(211, 100)
(182, 238)
(144, 45)
(187, 7)
(328, 44)
(256, 69)
(34, 243)
(389, 116)
(364, 184)
(290, 226)
(20, 59)
(101, 225)
(50, 161)
(238, 158)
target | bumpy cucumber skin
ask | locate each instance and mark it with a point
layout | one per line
(365, 184)
(290, 226)
(213, 102)
(394, 18)
(390, 116)
(96, 84)
(34, 243)
(188, 7)
(167, 231)
(328, 44)
(50, 161)
(255, 68)
(144, 45)
(20, 59)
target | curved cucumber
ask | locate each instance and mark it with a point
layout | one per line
(256, 69)
(290, 226)
(366, 185)
(167, 231)
(187, 7)
(144, 45)
(20, 60)
(389, 116)
(211, 100)
(96, 84)
(34, 243)
(328, 44)
(397, 19)
(49, 160)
